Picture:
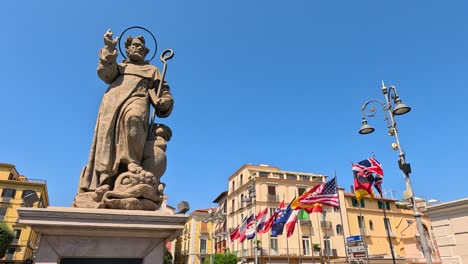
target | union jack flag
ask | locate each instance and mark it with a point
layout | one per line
(370, 169)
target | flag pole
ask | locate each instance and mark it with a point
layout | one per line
(387, 227)
(360, 231)
(254, 197)
(341, 218)
(324, 217)
(287, 243)
(298, 235)
(299, 241)
(320, 235)
(311, 240)
(269, 248)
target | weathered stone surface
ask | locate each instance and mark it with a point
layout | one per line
(101, 233)
(127, 157)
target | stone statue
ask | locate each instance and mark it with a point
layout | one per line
(126, 159)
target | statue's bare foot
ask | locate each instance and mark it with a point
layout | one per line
(134, 168)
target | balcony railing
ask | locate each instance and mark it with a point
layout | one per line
(325, 224)
(265, 251)
(331, 252)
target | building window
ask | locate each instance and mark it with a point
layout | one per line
(8, 193)
(11, 176)
(241, 179)
(274, 245)
(304, 178)
(371, 225)
(3, 210)
(278, 175)
(29, 197)
(339, 229)
(291, 176)
(233, 202)
(387, 225)
(272, 197)
(381, 205)
(10, 254)
(355, 203)
(271, 189)
(306, 246)
(202, 245)
(233, 185)
(17, 233)
(301, 190)
(362, 224)
(263, 174)
(272, 210)
(326, 243)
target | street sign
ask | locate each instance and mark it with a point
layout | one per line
(358, 251)
(353, 239)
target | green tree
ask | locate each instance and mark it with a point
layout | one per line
(230, 258)
(167, 257)
(227, 258)
(6, 237)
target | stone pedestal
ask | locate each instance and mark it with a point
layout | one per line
(75, 233)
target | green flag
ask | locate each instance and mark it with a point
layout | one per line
(302, 215)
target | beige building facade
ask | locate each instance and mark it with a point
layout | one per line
(450, 228)
(323, 236)
(254, 187)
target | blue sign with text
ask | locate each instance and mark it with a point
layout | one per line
(353, 239)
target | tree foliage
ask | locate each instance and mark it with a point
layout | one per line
(227, 258)
(167, 257)
(6, 237)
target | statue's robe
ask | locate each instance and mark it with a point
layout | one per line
(123, 120)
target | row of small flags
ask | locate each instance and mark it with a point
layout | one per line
(367, 173)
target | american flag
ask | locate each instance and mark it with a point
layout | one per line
(326, 194)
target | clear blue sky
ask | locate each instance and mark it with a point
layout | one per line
(273, 82)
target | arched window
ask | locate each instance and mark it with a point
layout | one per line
(371, 225)
(339, 229)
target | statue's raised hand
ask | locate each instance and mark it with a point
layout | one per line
(111, 43)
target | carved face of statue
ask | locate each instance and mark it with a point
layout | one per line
(136, 51)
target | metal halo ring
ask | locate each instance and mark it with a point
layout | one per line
(149, 32)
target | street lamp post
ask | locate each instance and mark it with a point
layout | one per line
(393, 106)
(214, 217)
(252, 198)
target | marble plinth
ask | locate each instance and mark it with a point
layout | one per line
(101, 233)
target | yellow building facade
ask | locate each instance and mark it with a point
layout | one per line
(369, 221)
(197, 242)
(19, 191)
